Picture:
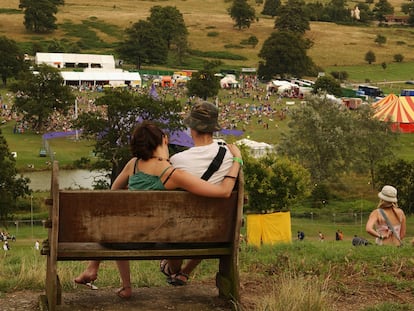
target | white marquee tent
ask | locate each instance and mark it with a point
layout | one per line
(72, 60)
(102, 77)
(257, 149)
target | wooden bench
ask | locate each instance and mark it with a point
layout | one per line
(141, 225)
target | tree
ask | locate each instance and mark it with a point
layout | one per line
(284, 54)
(203, 84)
(408, 8)
(330, 140)
(39, 94)
(111, 129)
(314, 10)
(398, 58)
(271, 7)
(39, 15)
(370, 57)
(242, 13)
(382, 8)
(400, 174)
(144, 45)
(327, 84)
(11, 59)
(252, 40)
(170, 22)
(293, 17)
(274, 183)
(338, 11)
(11, 186)
(318, 137)
(380, 40)
(340, 75)
(374, 142)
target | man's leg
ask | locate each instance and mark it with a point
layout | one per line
(182, 276)
(190, 266)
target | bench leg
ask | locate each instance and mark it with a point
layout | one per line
(227, 279)
(53, 287)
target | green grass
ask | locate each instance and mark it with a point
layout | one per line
(375, 73)
(10, 11)
(323, 271)
(28, 145)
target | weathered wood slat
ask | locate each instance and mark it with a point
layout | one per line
(82, 251)
(118, 216)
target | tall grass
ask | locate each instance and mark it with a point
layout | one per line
(295, 294)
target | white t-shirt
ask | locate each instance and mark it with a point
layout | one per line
(196, 160)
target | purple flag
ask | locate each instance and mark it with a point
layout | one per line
(153, 92)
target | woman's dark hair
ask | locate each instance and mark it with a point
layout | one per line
(146, 137)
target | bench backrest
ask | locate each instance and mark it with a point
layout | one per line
(122, 216)
(145, 216)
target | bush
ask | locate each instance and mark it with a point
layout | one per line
(340, 75)
(212, 34)
(398, 58)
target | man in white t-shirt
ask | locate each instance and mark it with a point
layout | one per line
(203, 122)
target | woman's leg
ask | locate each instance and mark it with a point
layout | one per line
(90, 274)
(124, 271)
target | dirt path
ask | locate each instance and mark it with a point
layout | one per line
(198, 296)
(191, 297)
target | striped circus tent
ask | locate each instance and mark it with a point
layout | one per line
(398, 110)
(385, 101)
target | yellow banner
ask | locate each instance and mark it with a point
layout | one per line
(269, 228)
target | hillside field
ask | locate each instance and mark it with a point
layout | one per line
(334, 45)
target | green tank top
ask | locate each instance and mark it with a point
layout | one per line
(143, 181)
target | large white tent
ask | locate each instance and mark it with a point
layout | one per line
(102, 77)
(72, 60)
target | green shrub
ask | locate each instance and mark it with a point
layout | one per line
(212, 34)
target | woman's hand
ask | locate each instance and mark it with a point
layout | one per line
(235, 151)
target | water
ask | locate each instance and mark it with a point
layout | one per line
(74, 179)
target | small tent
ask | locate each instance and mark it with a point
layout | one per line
(257, 149)
(166, 81)
(398, 110)
(229, 82)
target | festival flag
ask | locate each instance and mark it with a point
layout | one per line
(153, 92)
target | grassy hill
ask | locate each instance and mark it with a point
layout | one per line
(99, 24)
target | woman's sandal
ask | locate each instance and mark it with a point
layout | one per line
(123, 292)
(87, 281)
(179, 279)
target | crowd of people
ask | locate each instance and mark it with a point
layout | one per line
(5, 237)
(238, 107)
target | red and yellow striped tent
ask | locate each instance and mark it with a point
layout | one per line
(398, 110)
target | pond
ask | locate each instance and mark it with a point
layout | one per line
(74, 179)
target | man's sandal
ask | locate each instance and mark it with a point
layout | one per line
(166, 270)
(179, 279)
(123, 292)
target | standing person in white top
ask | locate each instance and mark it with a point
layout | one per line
(203, 122)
